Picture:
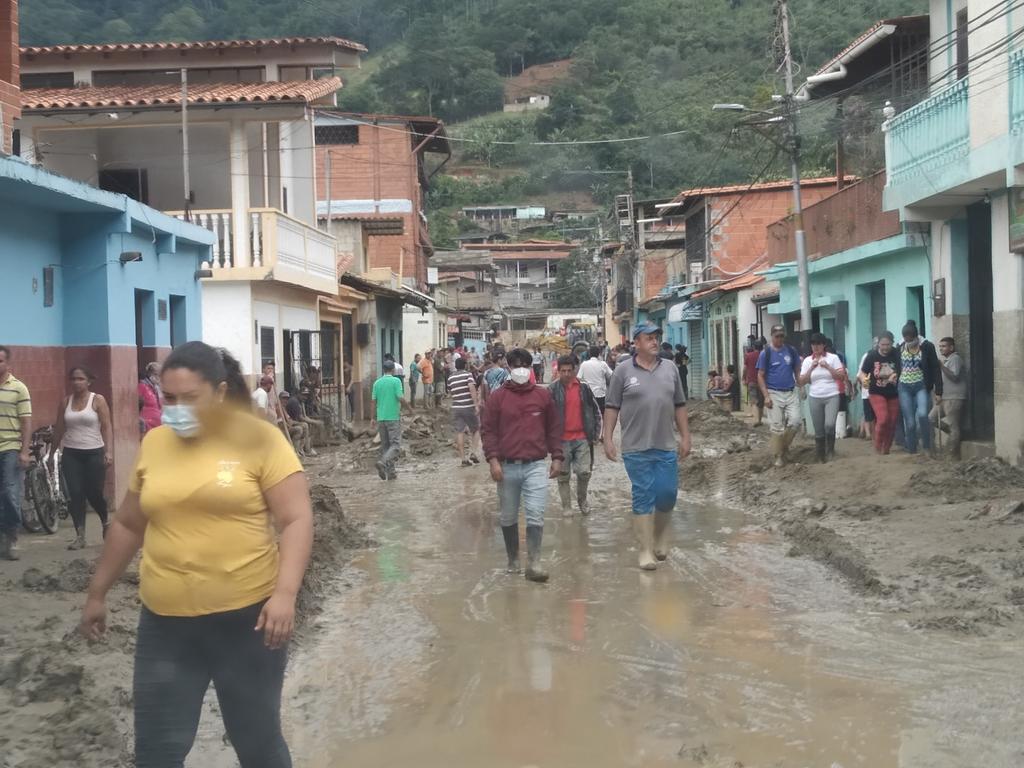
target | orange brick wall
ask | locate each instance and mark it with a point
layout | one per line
(655, 273)
(380, 167)
(741, 237)
(10, 101)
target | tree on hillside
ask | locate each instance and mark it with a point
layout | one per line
(578, 281)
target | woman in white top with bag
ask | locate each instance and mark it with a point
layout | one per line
(84, 433)
(825, 374)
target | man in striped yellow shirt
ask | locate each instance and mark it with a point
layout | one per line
(15, 438)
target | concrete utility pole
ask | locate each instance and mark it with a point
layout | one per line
(803, 278)
(184, 144)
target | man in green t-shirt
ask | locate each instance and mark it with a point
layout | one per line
(387, 395)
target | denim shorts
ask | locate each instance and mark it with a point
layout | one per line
(655, 478)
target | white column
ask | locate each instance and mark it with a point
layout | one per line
(238, 147)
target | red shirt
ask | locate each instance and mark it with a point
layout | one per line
(573, 429)
(750, 366)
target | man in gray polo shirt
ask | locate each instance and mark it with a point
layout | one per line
(647, 394)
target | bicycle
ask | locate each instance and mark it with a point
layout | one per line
(45, 503)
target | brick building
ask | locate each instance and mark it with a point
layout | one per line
(374, 166)
(10, 103)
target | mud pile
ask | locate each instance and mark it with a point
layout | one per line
(71, 577)
(970, 480)
(334, 537)
(424, 433)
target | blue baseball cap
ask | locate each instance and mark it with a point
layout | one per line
(645, 328)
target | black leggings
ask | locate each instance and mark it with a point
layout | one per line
(85, 473)
(176, 658)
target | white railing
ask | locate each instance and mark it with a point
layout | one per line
(274, 238)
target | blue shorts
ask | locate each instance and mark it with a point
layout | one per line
(655, 478)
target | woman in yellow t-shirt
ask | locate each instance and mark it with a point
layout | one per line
(218, 592)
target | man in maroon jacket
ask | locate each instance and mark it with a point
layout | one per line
(520, 428)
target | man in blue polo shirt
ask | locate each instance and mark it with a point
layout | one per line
(646, 393)
(778, 366)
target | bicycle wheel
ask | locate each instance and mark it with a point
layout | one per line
(42, 498)
(29, 521)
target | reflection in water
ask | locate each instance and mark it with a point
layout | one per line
(729, 654)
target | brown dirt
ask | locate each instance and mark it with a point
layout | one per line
(936, 540)
(66, 702)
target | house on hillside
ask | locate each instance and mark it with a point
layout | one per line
(532, 88)
(505, 218)
(955, 163)
(526, 271)
(116, 116)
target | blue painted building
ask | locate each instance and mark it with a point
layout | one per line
(92, 278)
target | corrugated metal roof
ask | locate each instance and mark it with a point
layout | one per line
(114, 96)
(759, 187)
(736, 284)
(204, 45)
(831, 63)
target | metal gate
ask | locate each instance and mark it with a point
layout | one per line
(313, 364)
(698, 367)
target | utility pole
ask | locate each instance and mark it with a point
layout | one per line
(803, 278)
(327, 183)
(184, 144)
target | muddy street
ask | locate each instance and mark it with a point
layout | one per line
(731, 654)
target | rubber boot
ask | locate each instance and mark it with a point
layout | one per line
(830, 447)
(661, 527)
(775, 445)
(566, 495)
(582, 483)
(644, 527)
(534, 570)
(511, 534)
(7, 541)
(79, 542)
(819, 447)
(787, 440)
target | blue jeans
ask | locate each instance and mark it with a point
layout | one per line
(526, 484)
(655, 478)
(914, 407)
(12, 485)
(177, 657)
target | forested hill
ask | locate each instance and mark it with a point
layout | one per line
(639, 67)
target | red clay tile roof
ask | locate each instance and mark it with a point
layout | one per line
(744, 281)
(117, 96)
(762, 186)
(275, 42)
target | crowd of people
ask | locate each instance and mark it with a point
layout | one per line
(907, 391)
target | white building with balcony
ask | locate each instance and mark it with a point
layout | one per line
(955, 160)
(220, 133)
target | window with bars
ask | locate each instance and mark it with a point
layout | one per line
(337, 134)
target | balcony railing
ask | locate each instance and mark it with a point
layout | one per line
(929, 134)
(278, 246)
(1017, 91)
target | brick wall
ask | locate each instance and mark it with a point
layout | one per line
(739, 237)
(656, 269)
(845, 220)
(380, 167)
(10, 100)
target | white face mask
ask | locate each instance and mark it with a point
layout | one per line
(182, 419)
(519, 375)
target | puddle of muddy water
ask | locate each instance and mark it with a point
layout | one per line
(731, 654)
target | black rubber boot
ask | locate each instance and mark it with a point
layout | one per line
(511, 534)
(830, 447)
(819, 444)
(534, 536)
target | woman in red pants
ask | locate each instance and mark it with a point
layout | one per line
(882, 368)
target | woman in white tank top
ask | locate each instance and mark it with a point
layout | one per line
(84, 433)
